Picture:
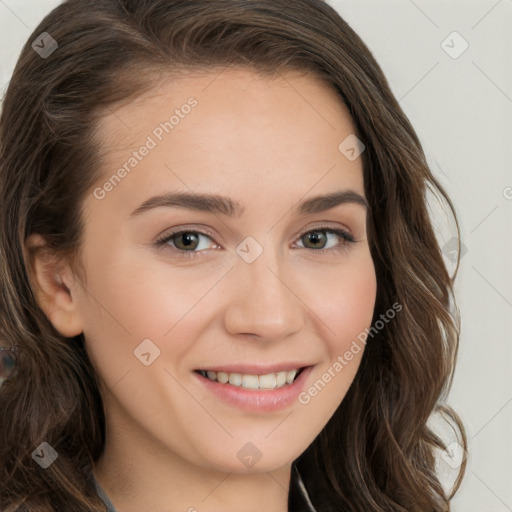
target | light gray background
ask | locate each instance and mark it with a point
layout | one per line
(461, 109)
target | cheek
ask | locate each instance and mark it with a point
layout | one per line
(345, 309)
(130, 300)
(132, 294)
(345, 300)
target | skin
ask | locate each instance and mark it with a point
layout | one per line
(268, 143)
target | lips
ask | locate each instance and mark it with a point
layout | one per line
(244, 395)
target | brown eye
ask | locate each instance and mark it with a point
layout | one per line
(316, 238)
(187, 240)
(319, 238)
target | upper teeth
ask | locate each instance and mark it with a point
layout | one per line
(269, 381)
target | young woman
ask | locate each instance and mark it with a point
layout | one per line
(220, 284)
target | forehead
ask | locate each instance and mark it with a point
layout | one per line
(246, 132)
(239, 95)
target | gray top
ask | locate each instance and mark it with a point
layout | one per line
(296, 485)
(103, 495)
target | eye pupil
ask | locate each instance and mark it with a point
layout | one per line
(315, 237)
(187, 238)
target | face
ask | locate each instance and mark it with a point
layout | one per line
(261, 282)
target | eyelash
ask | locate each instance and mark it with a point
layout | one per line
(345, 235)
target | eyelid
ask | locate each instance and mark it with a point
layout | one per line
(325, 226)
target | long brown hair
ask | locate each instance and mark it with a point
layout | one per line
(376, 453)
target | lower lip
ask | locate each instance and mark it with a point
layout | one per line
(266, 400)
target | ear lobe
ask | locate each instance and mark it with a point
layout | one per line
(52, 283)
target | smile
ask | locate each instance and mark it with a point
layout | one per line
(250, 381)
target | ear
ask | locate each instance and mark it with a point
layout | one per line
(54, 287)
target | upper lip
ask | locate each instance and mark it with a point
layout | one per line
(255, 369)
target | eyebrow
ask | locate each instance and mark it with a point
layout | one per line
(214, 203)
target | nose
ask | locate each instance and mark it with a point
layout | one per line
(263, 302)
